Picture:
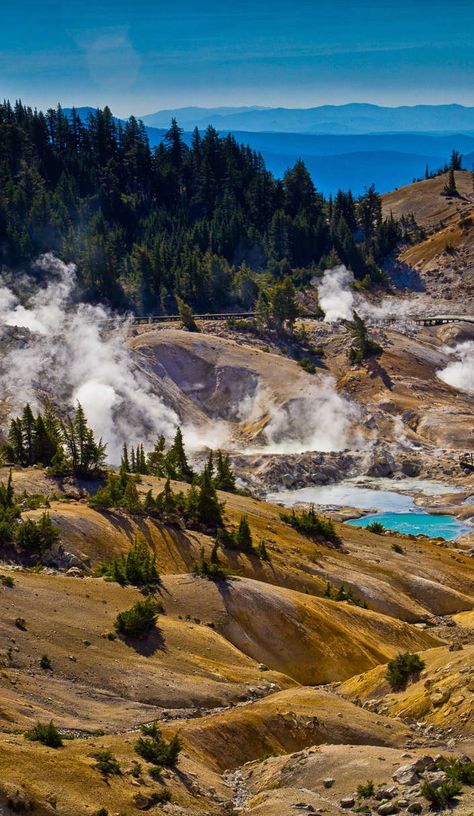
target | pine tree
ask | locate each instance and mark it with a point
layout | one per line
(176, 461)
(225, 477)
(243, 536)
(450, 188)
(156, 458)
(125, 462)
(28, 424)
(208, 506)
(131, 500)
(186, 316)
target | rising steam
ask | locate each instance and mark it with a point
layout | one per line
(338, 299)
(460, 372)
(76, 352)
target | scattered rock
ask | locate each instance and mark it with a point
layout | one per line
(387, 808)
(328, 782)
(347, 802)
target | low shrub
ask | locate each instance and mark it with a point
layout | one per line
(153, 748)
(47, 734)
(137, 567)
(439, 795)
(461, 770)
(307, 365)
(137, 621)
(376, 527)
(7, 581)
(107, 764)
(403, 668)
(45, 662)
(365, 791)
(311, 525)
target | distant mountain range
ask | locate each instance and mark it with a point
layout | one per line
(348, 161)
(342, 119)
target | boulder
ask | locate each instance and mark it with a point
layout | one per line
(406, 775)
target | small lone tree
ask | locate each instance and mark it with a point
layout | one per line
(450, 188)
(186, 316)
(243, 536)
(362, 347)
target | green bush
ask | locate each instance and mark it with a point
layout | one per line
(403, 668)
(7, 581)
(311, 525)
(458, 769)
(47, 734)
(307, 365)
(439, 796)
(376, 527)
(153, 748)
(138, 620)
(45, 662)
(36, 536)
(137, 567)
(365, 791)
(107, 764)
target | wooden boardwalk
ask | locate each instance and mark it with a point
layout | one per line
(428, 320)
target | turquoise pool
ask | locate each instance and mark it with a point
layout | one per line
(446, 527)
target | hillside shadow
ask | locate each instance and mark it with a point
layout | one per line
(147, 647)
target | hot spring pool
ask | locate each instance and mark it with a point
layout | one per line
(396, 511)
(446, 527)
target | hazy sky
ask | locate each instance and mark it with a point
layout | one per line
(142, 55)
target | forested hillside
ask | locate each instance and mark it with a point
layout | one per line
(207, 222)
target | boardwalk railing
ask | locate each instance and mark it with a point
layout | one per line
(428, 320)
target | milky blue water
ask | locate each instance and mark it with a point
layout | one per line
(446, 527)
(396, 511)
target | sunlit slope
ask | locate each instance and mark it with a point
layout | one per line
(425, 200)
(443, 694)
(426, 578)
(285, 722)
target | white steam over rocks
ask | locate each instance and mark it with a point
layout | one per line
(76, 352)
(338, 299)
(460, 372)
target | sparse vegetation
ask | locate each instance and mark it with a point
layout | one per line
(376, 527)
(47, 734)
(7, 581)
(153, 748)
(341, 594)
(311, 525)
(45, 662)
(107, 764)
(403, 668)
(441, 794)
(137, 621)
(366, 790)
(137, 567)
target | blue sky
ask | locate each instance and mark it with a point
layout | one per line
(143, 56)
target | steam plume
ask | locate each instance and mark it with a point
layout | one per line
(76, 352)
(460, 373)
(338, 299)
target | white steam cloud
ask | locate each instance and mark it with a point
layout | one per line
(76, 352)
(318, 419)
(460, 373)
(339, 300)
